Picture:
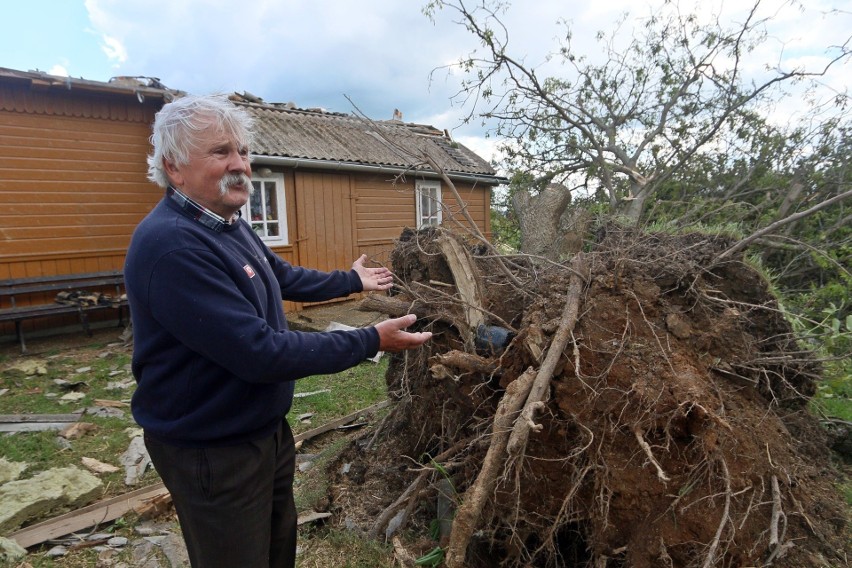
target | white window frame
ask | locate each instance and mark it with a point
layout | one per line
(275, 181)
(428, 192)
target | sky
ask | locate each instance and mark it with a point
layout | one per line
(378, 55)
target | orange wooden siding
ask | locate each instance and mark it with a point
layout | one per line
(383, 209)
(72, 184)
(73, 187)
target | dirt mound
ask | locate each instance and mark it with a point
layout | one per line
(669, 428)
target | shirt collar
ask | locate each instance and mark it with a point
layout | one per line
(198, 212)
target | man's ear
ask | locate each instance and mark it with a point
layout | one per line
(173, 172)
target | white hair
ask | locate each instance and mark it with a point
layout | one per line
(179, 122)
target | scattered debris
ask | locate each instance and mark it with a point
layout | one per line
(75, 386)
(312, 393)
(71, 397)
(46, 491)
(77, 430)
(11, 551)
(9, 471)
(343, 420)
(91, 515)
(36, 422)
(27, 368)
(112, 403)
(135, 461)
(105, 412)
(96, 466)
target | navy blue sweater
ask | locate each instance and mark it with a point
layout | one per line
(213, 357)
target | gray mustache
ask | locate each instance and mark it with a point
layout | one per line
(229, 180)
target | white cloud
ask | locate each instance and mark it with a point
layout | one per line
(58, 70)
(114, 50)
(380, 53)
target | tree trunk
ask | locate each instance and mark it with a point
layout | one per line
(549, 228)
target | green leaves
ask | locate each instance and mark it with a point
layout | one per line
(433, 558)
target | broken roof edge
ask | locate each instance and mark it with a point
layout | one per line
(264, 160)
(132, 86)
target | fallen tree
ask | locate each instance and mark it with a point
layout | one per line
(644, 405)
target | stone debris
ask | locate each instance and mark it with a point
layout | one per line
(45, 492)
(71, 397)
(28, 368)
(135, 461)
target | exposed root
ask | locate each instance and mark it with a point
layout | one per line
(692, 363)
(541, 387)
(714, 545)
(661, 475)
(469, 512)
(777, 525)
(412, 490)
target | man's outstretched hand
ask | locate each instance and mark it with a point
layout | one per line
(393, 338)
(372, 278)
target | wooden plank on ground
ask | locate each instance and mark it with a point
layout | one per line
(36, 422)
(342, 421)
(89, 516)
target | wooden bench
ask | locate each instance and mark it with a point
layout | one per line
(15, 289)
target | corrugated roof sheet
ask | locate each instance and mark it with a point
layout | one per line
(337, 137)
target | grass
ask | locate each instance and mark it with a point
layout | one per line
(834, 398)
(348, 392)
(96, 371)
(342, 549)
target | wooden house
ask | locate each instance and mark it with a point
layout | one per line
(329, 186)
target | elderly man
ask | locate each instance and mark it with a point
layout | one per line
(213, 357)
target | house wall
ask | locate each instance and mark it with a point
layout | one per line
(73, 187)
(72, 181)
(384, 209)
(335, 217)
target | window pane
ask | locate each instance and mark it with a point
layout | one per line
(271, 203)
(272, 230)
(256, 210)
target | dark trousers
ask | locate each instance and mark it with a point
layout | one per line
(235, 503)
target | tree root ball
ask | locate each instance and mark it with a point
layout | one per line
(675, 430)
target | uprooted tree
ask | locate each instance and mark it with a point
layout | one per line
(641, 405)
(645, 109)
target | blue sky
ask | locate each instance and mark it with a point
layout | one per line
(379, 53)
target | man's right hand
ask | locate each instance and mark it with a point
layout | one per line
(393, 338)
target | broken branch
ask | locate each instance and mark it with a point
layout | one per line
(541, 387)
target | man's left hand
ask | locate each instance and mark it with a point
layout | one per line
(372, 278)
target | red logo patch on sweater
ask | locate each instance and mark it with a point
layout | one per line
(249, 270)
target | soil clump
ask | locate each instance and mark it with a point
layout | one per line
(673, 430)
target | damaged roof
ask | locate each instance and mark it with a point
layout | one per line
(286, 135)
(140, 87)
(317, 138)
